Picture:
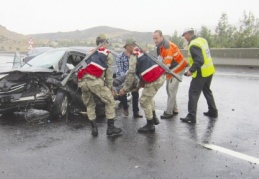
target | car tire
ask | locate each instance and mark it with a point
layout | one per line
(60, 106)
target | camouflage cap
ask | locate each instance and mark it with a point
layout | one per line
(129, 42)
(100, 39)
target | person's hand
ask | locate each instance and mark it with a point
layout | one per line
(141, 84)
(113, 93)
(122, 92)
(188, 73)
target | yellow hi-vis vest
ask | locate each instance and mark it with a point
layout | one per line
(207, 68)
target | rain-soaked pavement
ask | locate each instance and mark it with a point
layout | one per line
(226, 147)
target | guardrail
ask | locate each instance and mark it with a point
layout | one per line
(232, 56)
(229, 56)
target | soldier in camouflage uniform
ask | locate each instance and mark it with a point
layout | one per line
(152, 77)
(96, 79)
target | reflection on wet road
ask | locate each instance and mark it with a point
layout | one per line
(176, 150)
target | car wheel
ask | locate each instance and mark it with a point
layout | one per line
(60, 105)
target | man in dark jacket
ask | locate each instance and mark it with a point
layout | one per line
(201, 70)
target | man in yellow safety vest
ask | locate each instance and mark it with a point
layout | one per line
(201, 69)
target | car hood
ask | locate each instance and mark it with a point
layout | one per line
(28, 70)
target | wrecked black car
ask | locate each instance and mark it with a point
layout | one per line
(37, 85)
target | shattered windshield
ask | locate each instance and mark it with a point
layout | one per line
(38, 50)
(46, 60)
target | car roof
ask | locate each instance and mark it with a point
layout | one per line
(38, 50)
(71, 49)
(80, 49)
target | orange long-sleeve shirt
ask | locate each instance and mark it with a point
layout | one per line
(172, 56)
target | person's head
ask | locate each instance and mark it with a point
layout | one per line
(158, 37)
(188, 33)
(100, 39)
(129, 45)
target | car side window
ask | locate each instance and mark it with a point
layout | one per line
(78, 59)
(70, 63)
(73, 60)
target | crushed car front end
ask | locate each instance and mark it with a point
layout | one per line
(21, 91)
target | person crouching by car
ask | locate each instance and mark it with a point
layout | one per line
(119, 82)
(122, 62)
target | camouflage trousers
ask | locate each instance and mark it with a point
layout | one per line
(91, 86)
(146, 100)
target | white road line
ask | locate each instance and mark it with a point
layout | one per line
(237, 75)
(232, 153)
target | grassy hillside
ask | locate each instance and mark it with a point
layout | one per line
(90, 34)
(87, 37)
(11, 41)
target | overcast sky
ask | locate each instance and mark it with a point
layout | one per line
(43, 16)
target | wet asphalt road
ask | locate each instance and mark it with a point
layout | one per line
(176, 150)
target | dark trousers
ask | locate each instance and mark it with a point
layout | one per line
(135, 97)
(198, 85)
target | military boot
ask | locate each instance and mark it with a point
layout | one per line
(94, 128)
(111, 129)
(155, 119)
(149, 127)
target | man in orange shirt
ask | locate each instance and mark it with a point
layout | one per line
(174, 59)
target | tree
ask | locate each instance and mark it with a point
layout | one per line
(248, 34)
(224, 33)
(206, 33)
(179, 41)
